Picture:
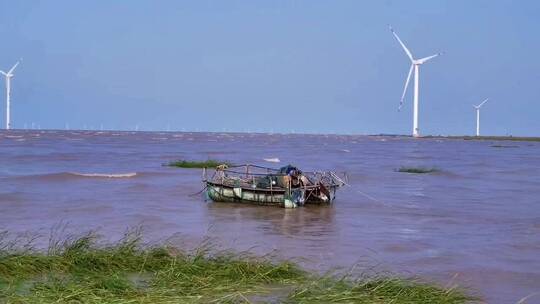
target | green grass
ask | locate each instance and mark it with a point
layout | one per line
(197, 164)
(417, 170)
(78, 270)
(377, 290)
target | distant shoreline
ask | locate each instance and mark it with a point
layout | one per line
(468, 137)
(507, 138)
(463, 137)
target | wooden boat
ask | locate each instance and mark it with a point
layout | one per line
(286, 187)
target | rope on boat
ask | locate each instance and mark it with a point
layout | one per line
(194, 194)
(369, 196)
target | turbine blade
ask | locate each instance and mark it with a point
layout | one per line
(428, 58)
(483, 102)
(406, 86)
(402, 44)
(3, 73)
(13, 68)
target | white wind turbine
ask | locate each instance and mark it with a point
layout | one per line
(415, 63)
(8, 76)
(478, 116)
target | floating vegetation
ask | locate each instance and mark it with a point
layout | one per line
(503, 146)
(197, 164)
(78, 270)
(417, 170)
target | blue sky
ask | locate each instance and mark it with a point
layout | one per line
(304, 66)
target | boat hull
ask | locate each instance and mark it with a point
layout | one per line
(271, 197)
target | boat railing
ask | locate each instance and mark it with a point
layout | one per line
(248, 176)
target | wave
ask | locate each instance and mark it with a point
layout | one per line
(66, 176)
(107, 175)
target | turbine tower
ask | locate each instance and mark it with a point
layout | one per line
(478, 116)
(8, 76)
(415, 64)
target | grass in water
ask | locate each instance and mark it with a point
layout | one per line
(197, 164)
(81, 271)
(417, 170)
(504, 146)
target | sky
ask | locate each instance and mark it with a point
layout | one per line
(272, 66)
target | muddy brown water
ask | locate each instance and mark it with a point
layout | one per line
(476, 222)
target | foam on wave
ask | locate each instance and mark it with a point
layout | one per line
(107, 175)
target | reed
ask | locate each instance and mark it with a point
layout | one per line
(78, 270)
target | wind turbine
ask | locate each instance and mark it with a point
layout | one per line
(415, 64)
(478, 116)
(8, 76)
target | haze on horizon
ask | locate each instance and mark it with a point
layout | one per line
(276, 66)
